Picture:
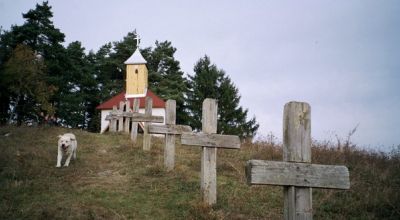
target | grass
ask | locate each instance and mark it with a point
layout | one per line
(113, 179)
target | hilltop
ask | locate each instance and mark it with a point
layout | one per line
(113, 179)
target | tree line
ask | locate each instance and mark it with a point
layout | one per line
(42, 81)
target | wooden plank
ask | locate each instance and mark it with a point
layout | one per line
(297, 148)
(170, 116)
(134, 128)
(121, 119)
(297, 132)
(297, 174)
(208, 175)
(127, 121)
(170, 120)
(169, 129)
(138, 117)
(289, 202)
(211, 140)
(113, 125)
(146, 135)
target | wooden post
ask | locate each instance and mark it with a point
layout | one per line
(127, 121)
(146, 135)
(134, 129)
(113, 121)
(209, 155)
(121, 119)
(170, 130)
(296, 173)
(297, 148)
(169, 152)
(209, 142)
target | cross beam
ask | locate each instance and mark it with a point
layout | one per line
(169, 129)
(209, 142)
(296, 173)
(136, 117)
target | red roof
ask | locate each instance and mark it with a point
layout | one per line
(157, 101)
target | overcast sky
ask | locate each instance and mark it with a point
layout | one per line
(342, 57)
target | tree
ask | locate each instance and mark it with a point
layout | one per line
(166, 77)
(110, 67)
(78, 98)
(211, 82)
(24, 74)
(39, 33)
(204, 84)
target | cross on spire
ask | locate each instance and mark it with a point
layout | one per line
(137, 38)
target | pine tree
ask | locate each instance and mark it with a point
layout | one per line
(204, 84)
(166, 77)
(110, 67)
(39, 33)
(211, 82)
(78, 97)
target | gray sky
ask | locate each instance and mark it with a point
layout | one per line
(342, 57)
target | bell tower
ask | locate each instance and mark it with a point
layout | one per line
(136, 74)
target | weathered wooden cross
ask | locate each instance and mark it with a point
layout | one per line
(209, 141)
(296, 173)
(136, 117)
(116, 113)
(170, 129)
(134, 126)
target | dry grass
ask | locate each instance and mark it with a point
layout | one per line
(112, 179)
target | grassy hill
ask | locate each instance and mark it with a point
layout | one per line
(112, 179)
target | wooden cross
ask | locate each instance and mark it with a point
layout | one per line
(296, 173)
(170, 129)
(137, 117)
(209, 141)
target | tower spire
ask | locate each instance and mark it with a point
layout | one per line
(136, 73)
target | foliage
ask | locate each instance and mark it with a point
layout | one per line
(29, 93)
(211, 82)
(109, 65)
(40, 35)
(166, 77)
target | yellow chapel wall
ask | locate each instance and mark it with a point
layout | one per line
(136, 83)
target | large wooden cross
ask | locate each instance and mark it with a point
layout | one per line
(147, 118)
(209, 141)
(170, 129)
(296, 173)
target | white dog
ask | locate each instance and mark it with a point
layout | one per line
(67, 145)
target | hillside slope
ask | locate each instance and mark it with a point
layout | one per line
(112, 179)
